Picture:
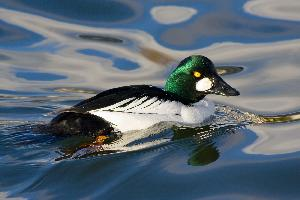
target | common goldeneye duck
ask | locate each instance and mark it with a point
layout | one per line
(138, 107)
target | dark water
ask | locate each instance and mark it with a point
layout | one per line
(55, 53)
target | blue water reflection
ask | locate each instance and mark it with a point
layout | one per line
(14, 37)
(119, 63)
(80, 11)
(92, 52)
(38, 76)
(215, 21)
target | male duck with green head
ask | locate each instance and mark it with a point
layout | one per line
(141, 106)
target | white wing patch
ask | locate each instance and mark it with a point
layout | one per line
(144, 105)
(115, 107)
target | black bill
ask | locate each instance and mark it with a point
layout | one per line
(220, 87)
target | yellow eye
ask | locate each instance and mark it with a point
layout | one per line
(197, 74)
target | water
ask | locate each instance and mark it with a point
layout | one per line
(54, 54)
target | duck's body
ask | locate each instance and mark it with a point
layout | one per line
(141, 106)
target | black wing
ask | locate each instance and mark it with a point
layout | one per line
(113, 96)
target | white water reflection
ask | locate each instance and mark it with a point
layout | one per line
(276, 139)
(276, 9)
(4, 195)
(172, 14)
(267, 85)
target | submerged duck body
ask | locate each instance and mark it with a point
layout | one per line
(141, 106)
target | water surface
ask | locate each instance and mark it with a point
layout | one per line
(53, 54)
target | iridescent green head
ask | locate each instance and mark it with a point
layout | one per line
(195, 77)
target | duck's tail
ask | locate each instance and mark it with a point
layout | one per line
(73, 123)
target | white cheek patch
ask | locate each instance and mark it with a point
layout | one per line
(204, 84)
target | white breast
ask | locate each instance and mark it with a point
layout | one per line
(136, 114)
(198, 112)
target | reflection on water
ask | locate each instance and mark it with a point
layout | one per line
(101, 38)
(226, 70)
(287, 10)
(203, 155)
(55, 53)
(172, 14)
(283, 118)
(79, 11)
